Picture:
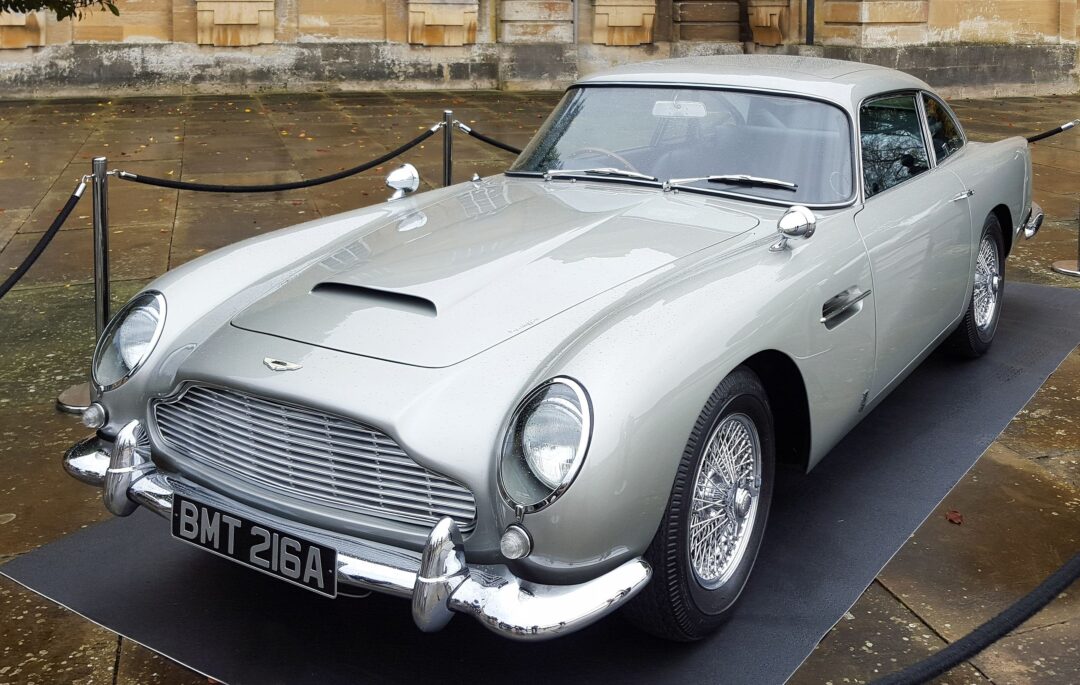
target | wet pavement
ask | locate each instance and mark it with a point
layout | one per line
(1020, 504)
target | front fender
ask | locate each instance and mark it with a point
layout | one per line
(650, 365)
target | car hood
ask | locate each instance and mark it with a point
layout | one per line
(455, 277)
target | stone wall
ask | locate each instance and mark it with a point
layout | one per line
(170, 46)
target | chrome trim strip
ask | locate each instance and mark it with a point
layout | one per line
(438, 580)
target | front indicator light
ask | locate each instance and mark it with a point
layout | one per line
(515, 542)
(94, 416)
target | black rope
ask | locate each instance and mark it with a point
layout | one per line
(1053, 132)
(44, 241)
(214, 188)
(990, 632)
(490, 141)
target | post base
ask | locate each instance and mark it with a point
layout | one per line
(1067, 267)
(75, 399)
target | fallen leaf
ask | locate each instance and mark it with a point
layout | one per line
(953, 516)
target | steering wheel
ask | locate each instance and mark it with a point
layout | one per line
(581, 152)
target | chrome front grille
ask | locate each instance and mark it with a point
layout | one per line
(310, 456)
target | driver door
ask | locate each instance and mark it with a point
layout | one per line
(917, 232)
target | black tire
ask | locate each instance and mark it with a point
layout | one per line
(969, 339)
(676, 605)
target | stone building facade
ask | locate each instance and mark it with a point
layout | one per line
(167, 46)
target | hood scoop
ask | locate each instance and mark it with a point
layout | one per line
(362, 297)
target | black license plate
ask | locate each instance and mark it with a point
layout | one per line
(256, 545)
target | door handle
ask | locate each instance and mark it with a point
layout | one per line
(963, 195)
(842, 307)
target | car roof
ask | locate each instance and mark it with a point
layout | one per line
(845, 83)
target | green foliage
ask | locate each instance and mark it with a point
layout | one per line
(62, 8)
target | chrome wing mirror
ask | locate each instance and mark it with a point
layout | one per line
(797, 222)
(403, 180)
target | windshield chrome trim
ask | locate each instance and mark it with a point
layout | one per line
(854, 197)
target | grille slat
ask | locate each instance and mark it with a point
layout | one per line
(331, 427)
(288, 471)
(310, 456)
(307, 452)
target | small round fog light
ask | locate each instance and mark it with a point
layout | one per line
(515, 542)
(94, 416)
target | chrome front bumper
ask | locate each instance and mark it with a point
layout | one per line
(438, 580)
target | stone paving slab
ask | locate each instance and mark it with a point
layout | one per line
(877, 637)
(1019, 526)
(43, 644)
(936, 587)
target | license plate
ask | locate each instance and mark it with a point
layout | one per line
(256, 545)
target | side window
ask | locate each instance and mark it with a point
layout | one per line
(944, 131)
(893, 149)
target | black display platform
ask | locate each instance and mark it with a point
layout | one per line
(830, 533)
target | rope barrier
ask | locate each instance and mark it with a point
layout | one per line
(44, 241)
(486, 139)
(1053, 132)
(275, 187)
(990, 632)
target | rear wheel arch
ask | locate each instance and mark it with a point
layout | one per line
(1004, 217)
(786, 390)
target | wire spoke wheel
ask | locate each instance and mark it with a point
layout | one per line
(725, 500)
(987, 283)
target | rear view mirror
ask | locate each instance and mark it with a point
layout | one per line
(679, 108)
(403, 180)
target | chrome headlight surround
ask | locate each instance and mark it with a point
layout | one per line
(149, 303)
(519, 483)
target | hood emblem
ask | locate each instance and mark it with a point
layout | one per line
(279, 365)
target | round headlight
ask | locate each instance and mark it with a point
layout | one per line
(550, 439)
(128, 339)
(547, 440)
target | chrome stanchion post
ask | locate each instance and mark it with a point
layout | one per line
(76, 399)
(101, 244)
(448, 147)
(1070, 267)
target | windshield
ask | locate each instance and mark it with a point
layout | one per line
(690, 133)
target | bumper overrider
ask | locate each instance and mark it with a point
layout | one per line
(1033, 222)
(438, 580)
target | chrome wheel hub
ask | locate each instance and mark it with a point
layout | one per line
(725, 500)
(741, 503)
(988, 283)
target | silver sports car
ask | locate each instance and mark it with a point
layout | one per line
(543, 396)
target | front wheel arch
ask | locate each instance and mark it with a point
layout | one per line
(786, 391)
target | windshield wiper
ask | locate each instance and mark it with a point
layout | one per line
(735, 179)
(600, 171)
